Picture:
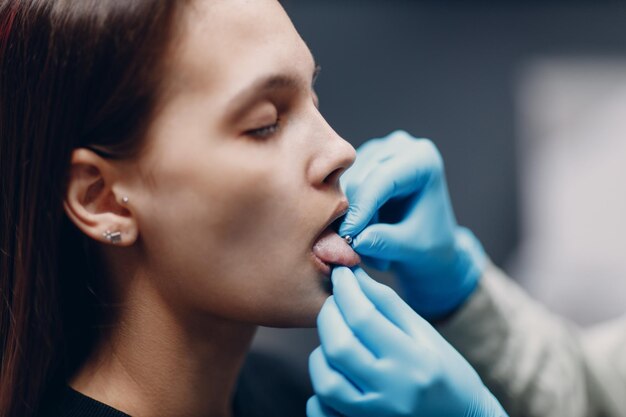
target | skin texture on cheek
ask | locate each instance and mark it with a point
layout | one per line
(228, 220)
(233, 233)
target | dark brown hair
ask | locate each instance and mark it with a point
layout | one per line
(73, 73)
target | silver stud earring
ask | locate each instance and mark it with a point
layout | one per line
(113, 237)
(348, 239)
(125, 199)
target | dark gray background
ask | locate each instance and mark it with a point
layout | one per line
(446, 70)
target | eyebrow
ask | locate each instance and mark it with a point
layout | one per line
(249, 96)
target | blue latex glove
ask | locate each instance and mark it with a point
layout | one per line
(400, 217)
(379, 358)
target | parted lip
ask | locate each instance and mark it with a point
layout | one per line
(340, 209)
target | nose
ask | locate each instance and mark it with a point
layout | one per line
(333, 156)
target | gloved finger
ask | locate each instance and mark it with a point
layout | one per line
(374, 330)
(362, 165)
(389, 303)
(377, 263)
(383, 241)
(342, 350)
(380, 149)
(400, 176)
(331, 386)
(314, 408)
(373, 152)
(351, 181)
(368, 156)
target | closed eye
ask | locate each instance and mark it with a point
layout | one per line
(265, 131)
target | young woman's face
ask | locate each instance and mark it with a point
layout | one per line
(240, 175)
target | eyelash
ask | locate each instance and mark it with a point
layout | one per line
(265, 131)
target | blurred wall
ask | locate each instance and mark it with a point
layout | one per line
(572, 165)
(446, 70)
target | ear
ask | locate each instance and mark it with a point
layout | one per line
(94, 199)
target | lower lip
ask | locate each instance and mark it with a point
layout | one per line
(322, 266)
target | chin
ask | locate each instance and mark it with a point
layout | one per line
(303, 315)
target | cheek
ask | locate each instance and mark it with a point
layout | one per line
(250, 211)
(233, 240)
(220, 214)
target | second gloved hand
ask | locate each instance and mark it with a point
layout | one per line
(400, 217)
(378, 358)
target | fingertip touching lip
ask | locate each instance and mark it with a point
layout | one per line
(329, 247)
(340, 211)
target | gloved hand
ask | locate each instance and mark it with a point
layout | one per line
(379, 358)
(400, 217)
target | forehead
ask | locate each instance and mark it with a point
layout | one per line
(225, 44)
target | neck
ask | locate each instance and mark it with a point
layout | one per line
(152, 362)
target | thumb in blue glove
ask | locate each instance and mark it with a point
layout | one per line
(400, 217)
(378, 358)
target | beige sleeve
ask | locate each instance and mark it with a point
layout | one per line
(536, 363)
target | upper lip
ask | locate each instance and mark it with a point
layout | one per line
(340, 210)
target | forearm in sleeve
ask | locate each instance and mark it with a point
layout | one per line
(536, 363)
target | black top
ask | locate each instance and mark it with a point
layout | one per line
(266, 387)
(71, 403)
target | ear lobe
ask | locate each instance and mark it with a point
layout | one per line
(90, 202)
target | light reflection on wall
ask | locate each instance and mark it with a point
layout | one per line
(572, 163)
